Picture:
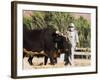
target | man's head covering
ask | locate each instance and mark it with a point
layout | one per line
(71, 25)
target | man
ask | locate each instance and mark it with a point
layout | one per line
(72, 35)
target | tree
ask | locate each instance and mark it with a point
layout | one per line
(59, 21)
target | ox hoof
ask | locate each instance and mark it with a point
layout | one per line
(52, 63)
(66, 63)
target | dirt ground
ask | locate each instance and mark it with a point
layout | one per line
(38, 63)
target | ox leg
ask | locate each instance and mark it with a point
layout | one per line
(45, 60)
(50, 56)
(30, 60)
(67, 58)
(51, 61)
(55, 60)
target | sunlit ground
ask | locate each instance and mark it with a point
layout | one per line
(38, 63)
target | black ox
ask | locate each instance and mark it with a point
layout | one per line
(45, 40)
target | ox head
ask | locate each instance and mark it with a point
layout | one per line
(61, 41)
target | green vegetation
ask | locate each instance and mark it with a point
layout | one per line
(59, 21)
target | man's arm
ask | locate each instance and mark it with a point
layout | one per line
(77, 38)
